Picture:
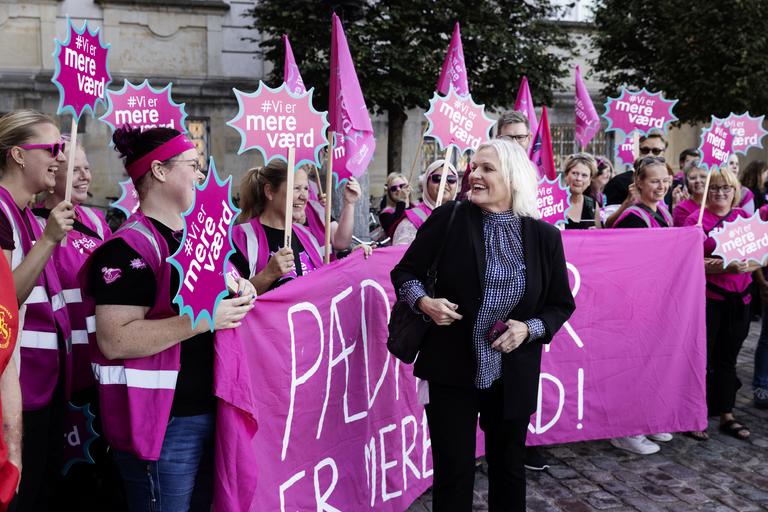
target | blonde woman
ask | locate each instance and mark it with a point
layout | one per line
(397, 196)
(495, 257)
(579, 171)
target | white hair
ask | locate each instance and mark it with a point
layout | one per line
(520, 175)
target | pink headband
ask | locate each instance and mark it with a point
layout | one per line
(169, 149)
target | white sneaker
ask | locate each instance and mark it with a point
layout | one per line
(636, 444)
(662, 437)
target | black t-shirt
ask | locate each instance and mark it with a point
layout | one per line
(390, 220)
(120, 276)
(275, 239)
(6, 231)
(633, 221)
(587, 216)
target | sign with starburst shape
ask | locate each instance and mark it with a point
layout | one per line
(272, 120)
(553, 201)
(458, 121)
(205, 248)
(80, 70)
(640, 111)
(744, 239)
(716, 146)
(144, 107)
(747, 131)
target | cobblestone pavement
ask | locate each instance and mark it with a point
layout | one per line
(722, 474)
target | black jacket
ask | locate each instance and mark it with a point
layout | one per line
(446, 354)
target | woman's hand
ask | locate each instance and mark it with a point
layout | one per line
(243, 287)
(679, 194)
(281, 263)
(352, 191)
(441, 311)
(512, 337)
(632, 195)
(367, 249)
(231, 311)
(61, 220)
(403, 195)
(741, 267)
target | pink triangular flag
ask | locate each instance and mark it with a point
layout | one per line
(587, 120)
(347, 112)
(454, 69)
(540, 152)
(291, 75)
(524, 104)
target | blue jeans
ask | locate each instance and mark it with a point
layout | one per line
(760, 379)
(183, 477)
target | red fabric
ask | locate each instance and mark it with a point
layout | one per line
(9, 325)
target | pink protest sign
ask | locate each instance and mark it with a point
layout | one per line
(128, 202)
(144, 107)
(314, 407)
(552, 200)
(272, 120)
(457, 120)
(80, 70)
(747, 131)
(625, 149)
(205, 248)
(716, 145)
(639, 110)
(744, 239)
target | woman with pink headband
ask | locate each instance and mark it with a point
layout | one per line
(31, 150)
(155, 372)
(406, 230)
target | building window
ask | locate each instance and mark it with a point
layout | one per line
(564, 143)
(198, 132)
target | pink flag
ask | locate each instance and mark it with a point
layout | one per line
(454, 69)
(540, 152)
(524, 104)
(587, 120)
(347, 113)
(291, 75)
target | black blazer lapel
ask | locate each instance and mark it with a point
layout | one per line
(530, 239)
(478, 240)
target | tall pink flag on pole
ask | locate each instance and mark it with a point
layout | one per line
(587, 120)
(454, 69)
(291, 75)
(524, 104)
(347, 112)
(540, 152)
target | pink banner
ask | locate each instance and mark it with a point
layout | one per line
(339, 424)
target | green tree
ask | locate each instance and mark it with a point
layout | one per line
(398, 47)
(711, 55)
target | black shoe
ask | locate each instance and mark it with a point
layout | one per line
(534, 459)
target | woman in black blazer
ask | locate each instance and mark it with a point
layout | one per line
(499, 263)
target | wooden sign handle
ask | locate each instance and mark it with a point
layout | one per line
(704, 199)
(289, 197)
(441, 190)
(328, 199)
(71, 152)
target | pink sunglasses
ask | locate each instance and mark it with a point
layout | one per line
(54, 149)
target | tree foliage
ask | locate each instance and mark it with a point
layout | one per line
(399, 45)
(711, 55)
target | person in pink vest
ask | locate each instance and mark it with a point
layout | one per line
(746, 196)
(652, 182)
(413, 219)
(695, 178)
(396, 200)
(259, 239)
(728, 296)
(30, 152)
(85, 482)
(154, 371)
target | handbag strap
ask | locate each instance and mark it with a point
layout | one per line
(432, 271)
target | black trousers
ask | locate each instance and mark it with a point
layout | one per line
(452, 417)
(727, 327)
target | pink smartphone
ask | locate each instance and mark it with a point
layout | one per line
(497, 329)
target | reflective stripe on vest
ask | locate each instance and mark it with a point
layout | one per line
(80, 337)
(94, 220)
(252, 242)
(39, 340)
(18, 251)
(141, 228)
(134, 378)
(310, 237)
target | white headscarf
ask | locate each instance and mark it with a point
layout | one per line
(433, 168)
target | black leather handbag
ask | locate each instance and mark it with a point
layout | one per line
(407, 328)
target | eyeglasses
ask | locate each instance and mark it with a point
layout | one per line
(194, 161)
(516, 138)
(435, 178)
(395, 188)
(725, 189)
(655, 151)
(54, 149)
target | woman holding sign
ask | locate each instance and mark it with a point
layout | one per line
(695, 178)
(31, 150)
(501, 294)
(430, 185)
(728, 297)
(155, 372)
(579, 171)
(397, 199)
